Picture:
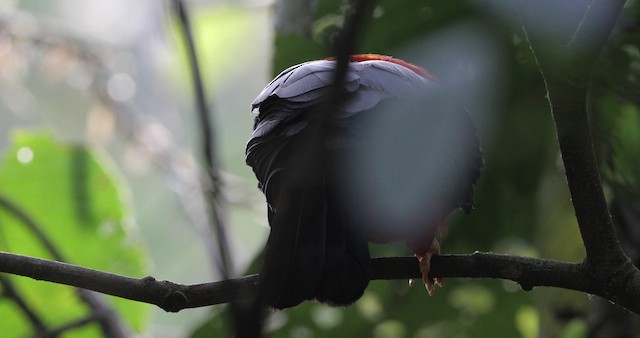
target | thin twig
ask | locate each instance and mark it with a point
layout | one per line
(31, 225)
(344, 46)
(212, 188)
(241, 318)
(70, 326)
(9, 291)
(109, 321)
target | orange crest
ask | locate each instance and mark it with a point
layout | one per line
(372, 57)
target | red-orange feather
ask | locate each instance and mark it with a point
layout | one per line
(370, 57)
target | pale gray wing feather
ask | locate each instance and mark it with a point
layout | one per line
(303, 83)
(366, 84)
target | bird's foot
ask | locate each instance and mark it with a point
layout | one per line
(424, 263)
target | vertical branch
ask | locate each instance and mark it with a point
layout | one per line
(345, 42)
(566, 70)
(578, 155)
(213, 182)
(245, 320)
(595, 27)
(343, 47)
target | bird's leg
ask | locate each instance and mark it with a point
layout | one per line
(424, 262)
(425, 266)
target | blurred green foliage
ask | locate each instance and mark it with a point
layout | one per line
(77, 201)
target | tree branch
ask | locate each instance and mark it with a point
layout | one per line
(172, 297)
(595, 27)
(32, 226)
(566, 70)
(212, 182)
(55, 333)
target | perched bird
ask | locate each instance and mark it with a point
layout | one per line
(395, 159)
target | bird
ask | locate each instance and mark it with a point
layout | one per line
(393, 159)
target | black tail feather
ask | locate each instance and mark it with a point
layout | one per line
(313, 251)
(347, 263)
(295, 254)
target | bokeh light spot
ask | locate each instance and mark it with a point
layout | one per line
(25, 155)
(121, 87)
(527, 321)
(390, 329)
(476, 299)
(370, 307)
(326, 317)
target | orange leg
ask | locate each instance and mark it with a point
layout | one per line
(425, 267)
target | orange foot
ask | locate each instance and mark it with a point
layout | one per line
(425, 266)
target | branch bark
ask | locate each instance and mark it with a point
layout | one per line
(566, 69)
(173, 297)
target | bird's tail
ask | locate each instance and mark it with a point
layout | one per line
(313, 252)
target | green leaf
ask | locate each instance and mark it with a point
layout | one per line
(74, 198)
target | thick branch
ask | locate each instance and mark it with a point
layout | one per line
(594, 29)
(528, 272)
(566, 70)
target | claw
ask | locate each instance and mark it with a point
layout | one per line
(425, 267)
